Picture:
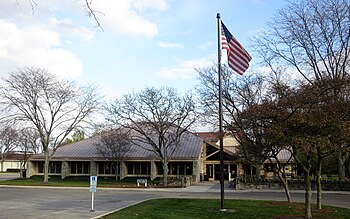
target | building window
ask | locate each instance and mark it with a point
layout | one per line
(41, 167)
(176, 168)
(54, 167)
(180, 168)
(269, 167)
(80, 167)
(138, 168)
(159, 166)
(106, 168)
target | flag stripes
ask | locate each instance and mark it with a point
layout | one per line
(238, 57)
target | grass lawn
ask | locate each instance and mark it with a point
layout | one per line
(205, 208)
(69, 182)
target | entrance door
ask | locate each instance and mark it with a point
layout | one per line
(210, 171)
(217, 172)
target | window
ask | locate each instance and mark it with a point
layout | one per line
(181, 168)
(176, 168)
(269, 167)
(54, 167)
(159, 166)
(41, 167)
(80, 167)
(138, 168)
(107, 168)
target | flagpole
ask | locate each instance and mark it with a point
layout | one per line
(220, 116)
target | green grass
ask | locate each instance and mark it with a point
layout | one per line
(79, 181)
(70, 182)
(204, 208)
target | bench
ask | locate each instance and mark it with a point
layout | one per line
(141, 181)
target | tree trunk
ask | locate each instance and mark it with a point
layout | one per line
(2, 165)
(285, 186)
(117, 171)
(257, 171)
(349, 169)
(319, 186)
(341, 165)
(286, 190)
(165, 173)
(308, 194)
(21, 170)
(46, 166)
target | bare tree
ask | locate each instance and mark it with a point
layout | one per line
(113, 145)
(28, 144)
(8, 142)
(239, 94)
(312, 36)
(156, 118)
(30, 140)
(54, 108)
(87, 5)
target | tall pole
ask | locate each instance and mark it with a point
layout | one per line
(220, 117)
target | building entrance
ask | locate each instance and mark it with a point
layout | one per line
(217, 172)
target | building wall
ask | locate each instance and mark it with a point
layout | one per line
(32, 169)
(10, 165)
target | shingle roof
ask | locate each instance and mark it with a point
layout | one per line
(209, 136)
(283, 156)
(15, 156)
(190, 148)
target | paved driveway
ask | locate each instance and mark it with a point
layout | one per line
(8, 176)
(63, 203)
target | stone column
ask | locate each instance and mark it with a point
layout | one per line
(204, 160)
(93, 168)
(65, 169)
(123, 170)
(240, 170)
(153, 170)
(31, 169)
(196, 171)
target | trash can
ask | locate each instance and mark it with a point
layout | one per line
(24, 173)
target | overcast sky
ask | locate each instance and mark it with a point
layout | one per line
(144, 42)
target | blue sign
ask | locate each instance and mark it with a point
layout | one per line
(93, 180)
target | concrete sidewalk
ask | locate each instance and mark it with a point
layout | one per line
(214, 186)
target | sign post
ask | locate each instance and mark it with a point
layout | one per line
(93, 184)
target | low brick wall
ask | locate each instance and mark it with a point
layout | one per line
(183, 181)
(294, 184)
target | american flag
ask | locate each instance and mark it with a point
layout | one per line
(238, 57)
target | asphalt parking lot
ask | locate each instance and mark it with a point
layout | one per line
(57, 203)
(63, 203)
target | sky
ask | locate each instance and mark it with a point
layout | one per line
(144, 43)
